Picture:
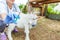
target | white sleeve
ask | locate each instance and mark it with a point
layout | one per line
(2, 8)
(17, 7)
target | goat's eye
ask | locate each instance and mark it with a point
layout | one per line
(33, 18)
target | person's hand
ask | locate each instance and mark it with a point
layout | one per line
(3, 16)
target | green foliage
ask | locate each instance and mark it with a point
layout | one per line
(50, 9)
(52, 13)
(23, 8)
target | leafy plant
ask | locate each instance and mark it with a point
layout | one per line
(23, 8)
(50, 9)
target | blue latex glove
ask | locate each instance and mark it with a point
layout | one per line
(12, 18)
(16, 17)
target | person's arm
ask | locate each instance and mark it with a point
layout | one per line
(17, 8)
(2, 11)
(3, 16)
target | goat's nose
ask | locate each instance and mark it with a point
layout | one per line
(33, 25)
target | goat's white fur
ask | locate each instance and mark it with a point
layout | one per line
(25, 21)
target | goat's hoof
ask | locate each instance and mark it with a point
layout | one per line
(27, 39)
(10, 39)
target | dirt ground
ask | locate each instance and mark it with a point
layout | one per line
(46, 29)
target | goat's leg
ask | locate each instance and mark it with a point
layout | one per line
(27, 32)
(10, 29)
